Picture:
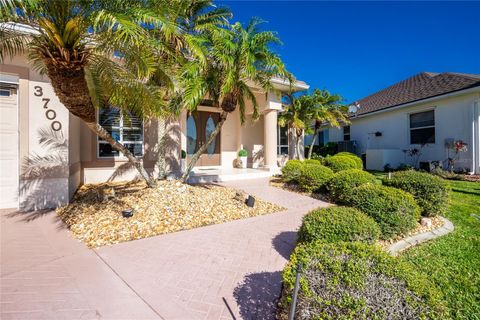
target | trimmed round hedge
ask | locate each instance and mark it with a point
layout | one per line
(314, 176)
(312, 161)
(337, 224)
(395, 210)
(344, 181)
(431, 192)
(357, 159)
(357, 281)
(291, 170)
(339, 163)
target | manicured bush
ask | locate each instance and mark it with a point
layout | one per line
(339, 163)
(344, 181)
(357, 159)
(337, 224)
(395, 210)
(312, 161)
(431, 192)
(314, 176)
(352, 280)
(291, 170)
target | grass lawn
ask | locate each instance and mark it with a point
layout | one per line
(453, 261)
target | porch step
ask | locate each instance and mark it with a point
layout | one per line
(223, 175)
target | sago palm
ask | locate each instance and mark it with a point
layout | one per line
(327, 109)
(236, 59)
(96, 53)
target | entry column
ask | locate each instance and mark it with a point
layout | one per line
(270, 139)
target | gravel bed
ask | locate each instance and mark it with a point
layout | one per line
(95, 214)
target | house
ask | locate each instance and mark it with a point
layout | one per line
(415, 122)
(46, 152)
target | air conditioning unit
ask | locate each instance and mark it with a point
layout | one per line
(430, 165)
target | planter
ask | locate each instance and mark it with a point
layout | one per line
(183, 165)
(244, 162)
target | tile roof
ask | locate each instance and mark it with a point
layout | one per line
(421, 86)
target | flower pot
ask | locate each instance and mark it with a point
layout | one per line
(244, 162)
(183, 165)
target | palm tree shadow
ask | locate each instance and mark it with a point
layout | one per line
(258, 295)
(284, 243)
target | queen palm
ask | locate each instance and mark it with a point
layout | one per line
(236, 58)
(326, 110)
(96, 53)
(297, 116)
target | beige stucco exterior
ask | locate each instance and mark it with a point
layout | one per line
(76, 160)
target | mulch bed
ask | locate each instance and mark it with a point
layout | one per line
(95, 214)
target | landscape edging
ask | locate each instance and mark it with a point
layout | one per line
(401, 245)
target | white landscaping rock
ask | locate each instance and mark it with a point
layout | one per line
(426, 222)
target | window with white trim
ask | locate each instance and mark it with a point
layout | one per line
(422, 127)
(123, 127)
(282, 140)
(346, 133)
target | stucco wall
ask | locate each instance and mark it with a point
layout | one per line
(252, 135)
(453, 119)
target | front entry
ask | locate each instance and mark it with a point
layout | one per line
(200, 125)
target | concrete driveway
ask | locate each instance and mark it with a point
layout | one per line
(226, 271)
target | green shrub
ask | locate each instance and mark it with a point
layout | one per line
(312, 161)
(395, 210)
(431, 192)
(339, 163)
(337, 224)
(314, 176)
(357, 281)
(344, 181)
(357, 159)
(291, 171)
(243, 153)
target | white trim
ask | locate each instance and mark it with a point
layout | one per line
(409, 104)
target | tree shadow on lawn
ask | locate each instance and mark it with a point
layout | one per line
(284, 243)
(258, 294)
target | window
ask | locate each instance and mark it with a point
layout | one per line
(282, 140)
(346, 133)
(5, 93)
(123, 127)
(422, 127)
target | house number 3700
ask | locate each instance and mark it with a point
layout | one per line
(50, 114)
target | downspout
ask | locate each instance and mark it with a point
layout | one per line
(476, 137)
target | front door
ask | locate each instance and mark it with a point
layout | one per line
(200, 125)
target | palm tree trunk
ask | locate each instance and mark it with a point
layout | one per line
(71, 88)
(203, 148)
(314, 139)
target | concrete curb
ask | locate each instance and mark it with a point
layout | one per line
(401, 245)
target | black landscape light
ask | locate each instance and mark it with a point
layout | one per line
(127, 213)
(250, 201)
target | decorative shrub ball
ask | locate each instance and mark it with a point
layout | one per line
(342, 183)
(291, 170)
(312, 161)
(314, 176)
(352, 280)
(395, 210)
(431, 192)
(339, 163)
(357, 159)
(337, 224)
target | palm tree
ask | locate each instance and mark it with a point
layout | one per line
(235, 57)
(326, 110)
(96, 53)
(297, 115)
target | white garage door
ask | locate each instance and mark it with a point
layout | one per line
(8, 147)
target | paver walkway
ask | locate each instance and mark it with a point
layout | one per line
(231, 270)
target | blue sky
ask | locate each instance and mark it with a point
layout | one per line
(357, 48)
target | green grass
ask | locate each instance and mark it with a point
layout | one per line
(453, 261)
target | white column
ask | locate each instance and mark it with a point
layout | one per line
(270, 139)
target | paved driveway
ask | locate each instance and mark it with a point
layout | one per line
(231, 270)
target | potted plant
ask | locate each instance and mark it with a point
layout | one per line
(243, 155)
(183, 163)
